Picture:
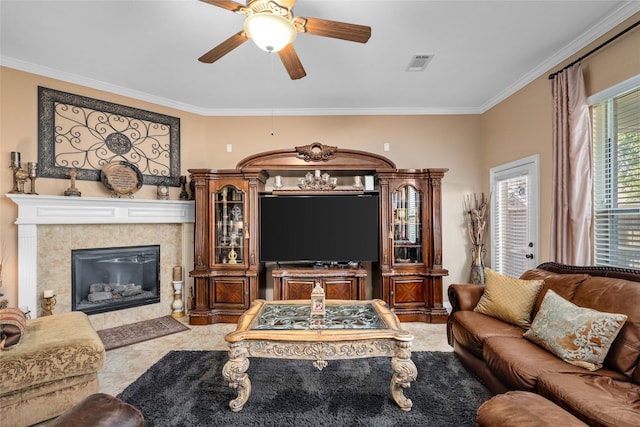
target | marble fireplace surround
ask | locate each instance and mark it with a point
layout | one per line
(87, 214)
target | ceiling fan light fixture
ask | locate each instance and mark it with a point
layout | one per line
(270, 32)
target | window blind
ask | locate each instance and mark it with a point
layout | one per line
(616, 154)
(512, 226)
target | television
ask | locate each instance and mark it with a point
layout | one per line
(319, 228)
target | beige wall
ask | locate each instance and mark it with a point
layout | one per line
(521, 125)
(469, 145)
(416, 142)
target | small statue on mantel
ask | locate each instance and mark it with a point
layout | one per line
(72, 190)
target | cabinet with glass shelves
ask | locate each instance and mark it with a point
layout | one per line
(409, 274)
(406, 226)
(225, 273)
(229, 214)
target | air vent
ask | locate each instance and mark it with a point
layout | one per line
(419, 62)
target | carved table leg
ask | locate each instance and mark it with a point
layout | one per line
(404, 371)
(235, 373)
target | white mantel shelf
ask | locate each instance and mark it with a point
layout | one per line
(34, 210)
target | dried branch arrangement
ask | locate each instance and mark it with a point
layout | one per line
(476, 216)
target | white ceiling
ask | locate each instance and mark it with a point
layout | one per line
(484, 51)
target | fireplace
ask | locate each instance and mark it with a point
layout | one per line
(108, 279)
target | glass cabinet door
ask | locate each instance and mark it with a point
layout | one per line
(407, 226)
(229, 210)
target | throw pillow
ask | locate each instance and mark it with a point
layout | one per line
(12, 324)
(580, 336)
(507, 298)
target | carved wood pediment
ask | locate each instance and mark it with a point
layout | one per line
(318, 155)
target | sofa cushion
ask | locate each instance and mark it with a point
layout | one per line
(470, 329)
(564, 285)
(595, 398)
(580, 336)
(518, 362)
(523, 409)
(12, 325)
(507, 298)
(54, 347)
(616, 296)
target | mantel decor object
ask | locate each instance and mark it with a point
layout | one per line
(183, 192)
(121, 178)
(162, 192)
(476, 218)
(20, 176)
(32, 169)
(72, 190)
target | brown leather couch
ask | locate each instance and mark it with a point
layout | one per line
(497, 353)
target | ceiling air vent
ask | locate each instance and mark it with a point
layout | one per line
(419, 62)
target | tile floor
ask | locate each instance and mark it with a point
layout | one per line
(124, 365)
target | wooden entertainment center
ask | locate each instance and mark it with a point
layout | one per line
(228, 275)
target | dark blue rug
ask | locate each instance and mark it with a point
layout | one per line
(186, 388)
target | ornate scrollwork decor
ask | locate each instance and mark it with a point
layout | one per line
(316, 152)
(87, 134)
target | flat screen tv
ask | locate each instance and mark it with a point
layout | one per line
(319, 229)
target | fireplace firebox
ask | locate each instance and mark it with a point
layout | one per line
(107, 279)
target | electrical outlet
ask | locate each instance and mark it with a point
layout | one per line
(387, 146)
(229, 148)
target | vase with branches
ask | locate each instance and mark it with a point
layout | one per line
(476, 210)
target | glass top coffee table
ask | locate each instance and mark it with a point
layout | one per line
(350, 330)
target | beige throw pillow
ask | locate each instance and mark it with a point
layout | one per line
(580, 336)
(507, 298)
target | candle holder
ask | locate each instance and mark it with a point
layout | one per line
(177, 305)
(317, 181)
(20, 176)
(15, 165)
(47, 305)
(183, 183)
(32, 168)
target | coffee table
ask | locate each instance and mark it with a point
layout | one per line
(350, 330)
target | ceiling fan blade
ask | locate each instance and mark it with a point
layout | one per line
(223, 48)
(337, 30)
(225, 4)
(291, 62)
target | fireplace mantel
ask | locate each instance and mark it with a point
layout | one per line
(34, 210)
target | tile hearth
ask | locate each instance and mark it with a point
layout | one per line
(137, 358)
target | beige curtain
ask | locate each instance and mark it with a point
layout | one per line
(572, 174)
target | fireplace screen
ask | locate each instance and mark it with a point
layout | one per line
(107, 279)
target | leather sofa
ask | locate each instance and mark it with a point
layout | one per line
(498, 354)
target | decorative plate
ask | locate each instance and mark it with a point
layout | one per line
(121, 178)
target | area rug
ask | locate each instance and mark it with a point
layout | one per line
(186, 388)
(133, 333)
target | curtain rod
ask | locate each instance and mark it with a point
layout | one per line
(595, 49)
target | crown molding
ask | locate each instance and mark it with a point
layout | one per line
(623, 13)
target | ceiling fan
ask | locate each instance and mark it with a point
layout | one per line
(273, 27)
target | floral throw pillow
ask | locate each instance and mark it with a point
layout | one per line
(580, 336)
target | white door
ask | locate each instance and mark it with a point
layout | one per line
(514, 216)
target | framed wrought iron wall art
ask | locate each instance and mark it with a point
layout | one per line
(87, 134)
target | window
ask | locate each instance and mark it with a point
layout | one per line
(616, 155)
